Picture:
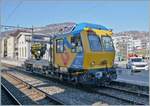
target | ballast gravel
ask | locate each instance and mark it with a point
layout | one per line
(68, 95)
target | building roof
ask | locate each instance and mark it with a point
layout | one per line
(13, 33)
(23, 33)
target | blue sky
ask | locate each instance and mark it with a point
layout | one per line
(119, 15)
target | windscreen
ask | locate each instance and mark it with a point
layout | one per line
(94, 42)
(137, 60)
(107, 43)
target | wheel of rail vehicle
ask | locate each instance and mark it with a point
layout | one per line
(61, 77)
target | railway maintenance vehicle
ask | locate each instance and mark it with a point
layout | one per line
(84, 55)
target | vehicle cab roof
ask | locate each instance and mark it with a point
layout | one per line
(80, 27)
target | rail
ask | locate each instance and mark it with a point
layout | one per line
(15, 101)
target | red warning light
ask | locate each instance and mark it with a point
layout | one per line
(90, 31)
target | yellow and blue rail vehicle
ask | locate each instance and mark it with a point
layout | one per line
(86, 54)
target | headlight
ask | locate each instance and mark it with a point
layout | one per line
(98, 75)
(146, 67)
(133, 67)
(92, 63)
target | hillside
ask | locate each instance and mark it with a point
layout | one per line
(61, 28)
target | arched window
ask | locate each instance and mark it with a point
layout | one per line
(25, 51)
(22, 52)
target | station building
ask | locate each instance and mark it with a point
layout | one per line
(3, 47)
(8, 47)
(15, 46)
(23, 46)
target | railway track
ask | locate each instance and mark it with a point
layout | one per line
(133, 88)
(9, 95)
(128, 93)
(124, 95)
(132, 97)
(70, 96)
(132, 93)
(35, 94)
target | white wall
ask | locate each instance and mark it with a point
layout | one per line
(23, 47)
(2, 47)
(10, 47)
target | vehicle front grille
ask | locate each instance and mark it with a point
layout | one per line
(140, 65)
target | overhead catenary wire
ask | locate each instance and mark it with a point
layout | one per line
(10, 26)
(14, 10)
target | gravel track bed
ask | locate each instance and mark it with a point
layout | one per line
(68, 95)
(130, 87)
(34, 94)
(21, 97)
(125, 95)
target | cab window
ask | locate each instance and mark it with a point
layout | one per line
(137, 60)
(107, 43)
(76, 44)
(59, 46)
(94, 42)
